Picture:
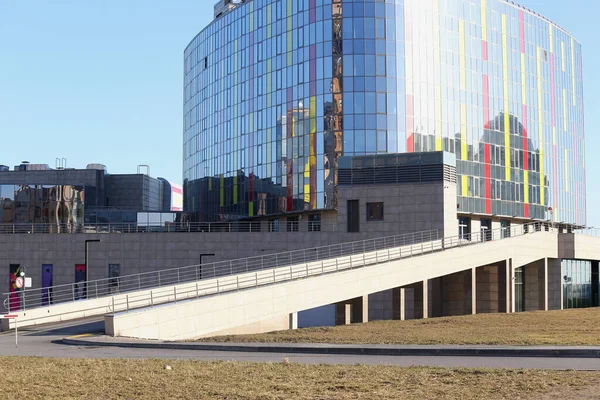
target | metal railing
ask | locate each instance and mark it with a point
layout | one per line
(172, 227)
(41, 297)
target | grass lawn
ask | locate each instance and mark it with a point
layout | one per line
(39, 378)
(569, 327)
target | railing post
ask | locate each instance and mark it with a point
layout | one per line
(74, 292)
(175, 293)
(337, 268)
(307, 270)
(291, 273)
(178, 278)
(151, 299)
(273, 275)
(127, 299)
(256, 279)
(237, 279)
(96, 289)
(158, 278)
(197, 294)
(139, 282)
(217, 286)
(113, 304)
(246, 266)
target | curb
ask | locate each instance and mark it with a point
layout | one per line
(365, 351)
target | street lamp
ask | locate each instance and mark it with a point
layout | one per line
(88, 241)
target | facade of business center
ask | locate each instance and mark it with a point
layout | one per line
(286, 99)
(277, 92)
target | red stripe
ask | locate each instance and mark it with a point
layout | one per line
(410, 120)
(488, 182)
(10, 316)
(484, 50)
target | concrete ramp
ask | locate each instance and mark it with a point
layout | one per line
(264, 300)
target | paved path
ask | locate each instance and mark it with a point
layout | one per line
(45, 342)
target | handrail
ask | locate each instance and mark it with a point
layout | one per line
(41, 297)
(130, 300)
(170, 227)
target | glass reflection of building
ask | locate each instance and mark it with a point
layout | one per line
(280, 89)
(46, 204)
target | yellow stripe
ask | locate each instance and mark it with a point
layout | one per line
(541, 126)
(551, 38)
(573, 70)
(269, 21)
(484, 20)
(465, 186)
(562, 52)
(209, 183)
(251, 209)
(80, 336)
(506, 98)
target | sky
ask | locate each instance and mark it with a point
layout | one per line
(101, 81)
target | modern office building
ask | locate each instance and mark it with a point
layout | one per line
(277, 91)
(70, 198)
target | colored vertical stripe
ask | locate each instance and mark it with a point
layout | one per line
(553, 105)
(486, 99)
(565, 115)
(541, 127)
(312, 159)
(488, 181)
(484, 20)
(524, 114)
(505, 78)
(462, 54)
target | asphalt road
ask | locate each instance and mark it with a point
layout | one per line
(45, 342)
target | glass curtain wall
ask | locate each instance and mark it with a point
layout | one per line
(276, 91)
(577, 284)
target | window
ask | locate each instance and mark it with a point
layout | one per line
(374, 211)
(314, 223)
(292, 224)
(353, 216)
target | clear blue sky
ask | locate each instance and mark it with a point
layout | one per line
(101, 80)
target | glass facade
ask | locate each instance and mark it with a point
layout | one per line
(48, 204)
(275, 91)
(578, 285)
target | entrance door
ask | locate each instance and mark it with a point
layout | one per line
(80, 284)
(47, 284)
(15, 293)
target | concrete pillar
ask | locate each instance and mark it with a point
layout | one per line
(503, 289)
(555, 290)
(426, 298)
(595, 284)
(545, 275)
(474, 290)
(436, 294)
(352, 311)
(293, 321)
(343, 313)
(399, 304)
(360, 309)
(512, 286)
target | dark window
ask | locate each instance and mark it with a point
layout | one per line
(464, 228)
(374, 211)
(314, 223)
(486, 230)
(114, 272)
(292, 224)
(353, 216)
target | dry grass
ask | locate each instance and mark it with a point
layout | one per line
(38, 378)
(569, 327)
